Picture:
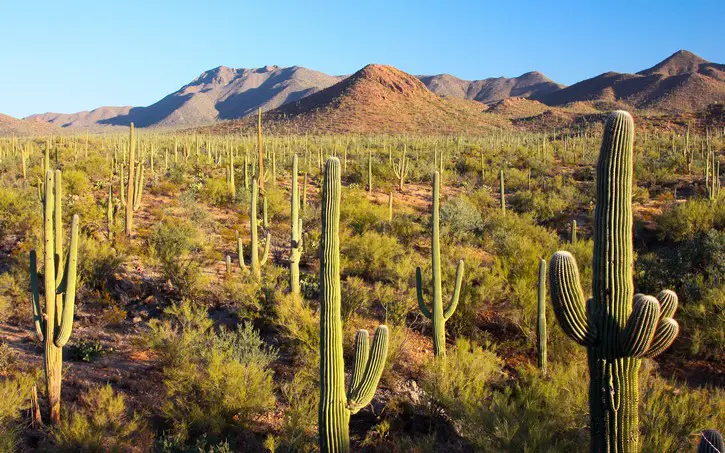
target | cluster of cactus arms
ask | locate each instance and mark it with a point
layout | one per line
(255, 264)
(437, 315)
(53, 327)
(617, 327)
(129, 196)
(400, 168)
(541, 318)
(336, 405)
(502, 193)
(711, 442)
(296, 235)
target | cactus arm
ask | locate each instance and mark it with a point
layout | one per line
(267, 246)
(568, 299)
(668, 303)
(456, 292)
(362, 394)
(362, 353)
(419, 291)
(66, 324)
(37, 310)
(240, 252)
(637, 335)
(664, 336)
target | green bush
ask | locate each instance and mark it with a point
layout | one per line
(215, 192)
(176, 244)
(376, 257)
(355, 296)
(98, 261)
(460, 218)
(215, 383)
(15, 397)
(102, 423)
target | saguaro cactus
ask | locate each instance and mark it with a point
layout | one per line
(617, 327)
(53, 327)
(335, 405)
(254, 262)
(438, 316)
(541, 318)
(502, 193)
(129, 195)
(401, 169)
(260, 159)
(296, 234)
(711, 442)
(573, 231)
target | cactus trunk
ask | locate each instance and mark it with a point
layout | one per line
(541, 318)
(129, 195)
(296, 234)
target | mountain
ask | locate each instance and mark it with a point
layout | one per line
(491, 89)
(217, 94)
(14, 126)
(682, 82)
(379, 99)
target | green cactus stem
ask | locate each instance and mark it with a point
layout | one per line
(541, 318)
(617, 327)
(336, 405)
(573, 231)
(502, 193)
(390, 207)
(296, 233)
(129, 195)
(255, 263)
(54, 325)
(438, 316)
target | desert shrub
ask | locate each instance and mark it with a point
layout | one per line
(310, 286)
(406, 228)
(299, 325)
(214, 383)
(360, 213)
(355, 296)
(299, 425)
(672, 416)
(19, 213)
(375, 256)
(544, 206)
(685, 220)
(98, 261)
(397, 302)
(15, 397)
(459, 217)
(102, 423)
(7, 356)
(76, 183)
(535, 413)
(12, 295)
(243, 296)
(177, 246)
(86, 350)
(215, 192)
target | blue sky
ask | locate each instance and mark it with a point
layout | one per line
(77, 55)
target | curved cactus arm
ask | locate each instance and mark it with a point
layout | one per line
(362, 353)
(711, 442)
(568, 299)
(35, 288)
(362, 394)
(668, 303)
(267, 246)
(456, 292)
(637, 335)
(419, 291)
(664, 336)
(66, 323)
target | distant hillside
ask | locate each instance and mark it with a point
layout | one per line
(13, 126)
(682, 82)
(492, 89)
(218, 94)
(377, 98)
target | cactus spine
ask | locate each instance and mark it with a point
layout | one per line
(541, 318)
(296, 235)
(617, 327)
(129, 195)
(438, 316)
(336, 405)
(711, 442)
(54, 327)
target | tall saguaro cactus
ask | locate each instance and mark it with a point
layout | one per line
(617, 327)
(260, 149)
(541, 318)
(438, 316)
(400, 169)
(53, 327)
(131, 188)
(336, 405)
(255, 263)
(296, 234)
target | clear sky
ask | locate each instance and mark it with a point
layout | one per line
(66, 56)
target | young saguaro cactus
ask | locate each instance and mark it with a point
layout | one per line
(336, 405)
(438, 316)
(541, 318)
(296, 234)
(617, 327)
(254, 262)
(53, 327)
(711, 442)
(131, 188)
(401, 169)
